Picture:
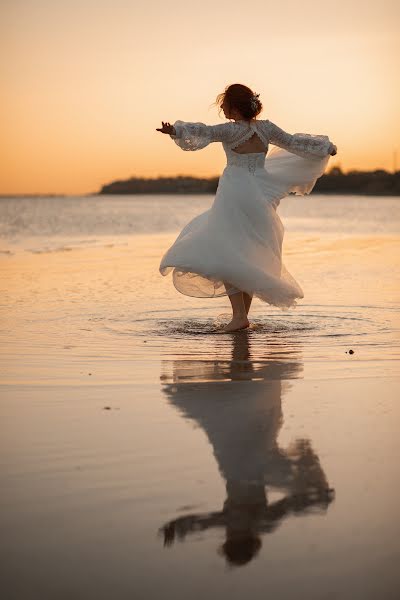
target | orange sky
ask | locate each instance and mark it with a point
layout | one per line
(85, 83)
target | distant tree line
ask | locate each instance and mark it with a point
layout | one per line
(373, 183)
(162, 185)
(368, 183)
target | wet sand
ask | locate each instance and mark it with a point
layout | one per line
(127, 502)
(145, 455)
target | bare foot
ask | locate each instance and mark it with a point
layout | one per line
(236, 324)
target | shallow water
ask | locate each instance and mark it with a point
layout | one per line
(145, 453)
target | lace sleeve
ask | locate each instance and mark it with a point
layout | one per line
(194, 136)
(306, 145)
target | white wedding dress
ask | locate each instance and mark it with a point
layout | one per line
(237, 243)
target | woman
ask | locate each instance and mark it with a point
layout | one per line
(235, 247)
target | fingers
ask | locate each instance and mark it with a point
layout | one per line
(165, 126)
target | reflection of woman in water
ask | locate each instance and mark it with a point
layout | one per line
(242, 422)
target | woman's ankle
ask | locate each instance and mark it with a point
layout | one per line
(240, 316)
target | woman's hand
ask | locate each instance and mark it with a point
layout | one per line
(333, 151)
(166, 128)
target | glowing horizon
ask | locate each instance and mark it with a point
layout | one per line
(87, 84)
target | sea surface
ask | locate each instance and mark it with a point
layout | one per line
(145, 454)
(93, 261)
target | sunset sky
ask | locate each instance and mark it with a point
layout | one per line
(85, 83)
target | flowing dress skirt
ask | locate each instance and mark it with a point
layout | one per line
(238, 241)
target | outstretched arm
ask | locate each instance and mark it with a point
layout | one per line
(179, 528)
(194, 136)
(304, 144)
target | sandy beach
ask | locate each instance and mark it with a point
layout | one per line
(145, 455)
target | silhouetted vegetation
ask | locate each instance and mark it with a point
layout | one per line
(162, 185)
(368, 183)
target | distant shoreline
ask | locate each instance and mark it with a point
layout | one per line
(365, 183)
(370, 183)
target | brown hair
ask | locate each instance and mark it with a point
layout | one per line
(242, 98)
(239, 552)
